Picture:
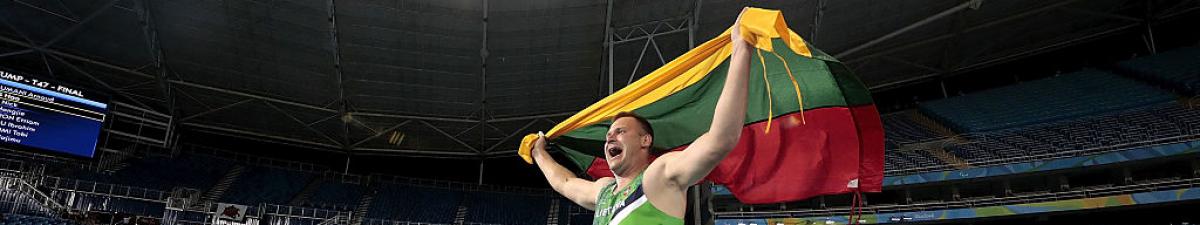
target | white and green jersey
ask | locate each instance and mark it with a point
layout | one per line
(629, 206)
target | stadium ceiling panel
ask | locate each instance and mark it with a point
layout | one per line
(462, 78)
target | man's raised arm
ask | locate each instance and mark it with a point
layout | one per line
(580, 191)
(685, 168)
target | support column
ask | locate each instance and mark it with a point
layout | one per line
(481, 171)
(347, 169)
(483, 113)
(608, 44)
(945, 95)
(1007, 186)
(1147, 20)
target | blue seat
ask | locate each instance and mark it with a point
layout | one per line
(1176, 68)
(1084, 93)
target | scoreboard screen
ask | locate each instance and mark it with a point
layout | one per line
(49, 116)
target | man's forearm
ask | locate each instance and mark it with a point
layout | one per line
(556, 174)
(730, 112)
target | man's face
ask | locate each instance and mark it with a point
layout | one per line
(626, 145)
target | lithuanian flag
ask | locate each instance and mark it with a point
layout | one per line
(811, 128)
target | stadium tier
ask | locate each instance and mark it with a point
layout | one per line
(1102, 131)
(1066, 96)
(336, 195)
(502, 208)
(266, 185)
(18, 219)
(1176, 69)
(161, 173)
(419, 204)
(901, 128)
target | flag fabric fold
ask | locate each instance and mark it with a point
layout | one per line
(811, 127)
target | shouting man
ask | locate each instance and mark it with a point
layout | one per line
(647, 190)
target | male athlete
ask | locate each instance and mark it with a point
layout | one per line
(653, 192)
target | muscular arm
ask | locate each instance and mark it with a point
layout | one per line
(684, 168)
(580, 191)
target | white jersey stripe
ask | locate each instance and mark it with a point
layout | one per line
(627, 210)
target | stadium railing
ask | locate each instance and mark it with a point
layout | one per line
(401, 222)
(1092, 135)
(19, 196)
(18, 219)
(114, 190)
(1017, 198)
(455, 185)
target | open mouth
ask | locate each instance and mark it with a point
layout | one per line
(614, 151)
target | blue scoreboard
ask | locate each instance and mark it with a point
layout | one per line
(49, 116)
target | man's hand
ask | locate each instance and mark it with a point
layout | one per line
(539, 146)
(735, 36)
(580, 191)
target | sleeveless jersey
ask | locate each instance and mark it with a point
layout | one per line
(629, 206)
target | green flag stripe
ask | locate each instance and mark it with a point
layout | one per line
(589, 140)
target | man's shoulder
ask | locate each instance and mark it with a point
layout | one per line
(656, 172)
(660, 162)
(605, 181)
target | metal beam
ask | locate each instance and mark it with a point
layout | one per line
(922, 22)
(516, 118)
(282, 140)
(472, 127)
(816, 22)
(1051, 47)
(302, 123)
(608, 44)
(429, 118)
(501, 153)
(98, 81)
(1172, 9)
(413, 152)
(694, 22)
(75, 57)
(658, 51)
(440, 131)
(68, 18)
(18, 52)
(632, 39)
(249, 95)
(1149, 36)
(372, 137)
(212, 110)
(638, 63)
(79, 24)
(1174, 14)
(511, 135)
(967, 30)
(344, 106)
(150, 32)
(62, 55)
(906, 62)
(483, 59)
(182, 83)
(1101, 14)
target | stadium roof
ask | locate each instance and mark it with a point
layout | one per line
(467, 78)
